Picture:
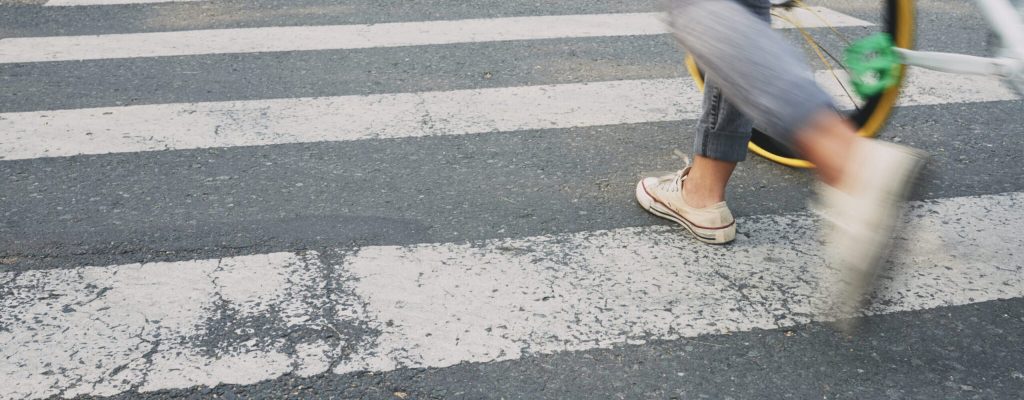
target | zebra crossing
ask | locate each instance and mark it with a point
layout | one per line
(437, 305)
(56, 133)
(268, 39)
(141, 327)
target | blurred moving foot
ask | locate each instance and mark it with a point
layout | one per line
(861, 218)
(663, 196)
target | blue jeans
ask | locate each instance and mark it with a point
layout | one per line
(753, 76)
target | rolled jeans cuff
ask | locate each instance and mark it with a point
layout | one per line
(722, 146)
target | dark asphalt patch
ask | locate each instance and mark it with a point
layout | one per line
(107, 209)
(254, 76)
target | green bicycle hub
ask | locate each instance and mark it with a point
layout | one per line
(873, 64)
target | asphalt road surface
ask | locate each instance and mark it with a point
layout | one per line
(434, 199)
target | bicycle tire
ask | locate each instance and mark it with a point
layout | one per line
(898, 20)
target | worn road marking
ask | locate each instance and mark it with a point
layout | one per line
(59, 3)
(298, 38)
(106, 330)
(57, 133)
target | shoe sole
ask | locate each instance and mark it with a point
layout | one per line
(706, 235)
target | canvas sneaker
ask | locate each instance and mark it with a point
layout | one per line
(860, 220)
(663, 196)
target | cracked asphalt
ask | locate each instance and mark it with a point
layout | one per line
(108, 243)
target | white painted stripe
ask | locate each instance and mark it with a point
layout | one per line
(814, 17)
(99, 331)
(105, 330)
(265, 122)
(440, 305)
(61, 3)
(270, 39)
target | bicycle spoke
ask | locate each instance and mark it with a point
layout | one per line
(841, 36)
(820, 50)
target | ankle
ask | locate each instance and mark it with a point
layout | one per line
(839, 174)
(698, 195)
(705, 183)
(828, 142)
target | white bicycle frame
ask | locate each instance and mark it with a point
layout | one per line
(1005, 20)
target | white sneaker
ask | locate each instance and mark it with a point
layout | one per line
(861, 220)
(663, 196)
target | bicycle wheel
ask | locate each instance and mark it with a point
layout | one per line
(823, 35)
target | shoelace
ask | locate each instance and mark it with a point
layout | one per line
(677, 182)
